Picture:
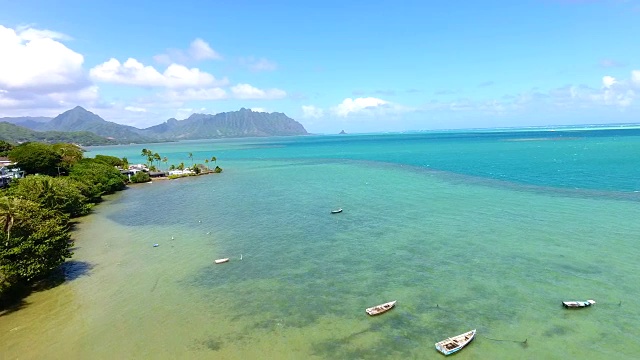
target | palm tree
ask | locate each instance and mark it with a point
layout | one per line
(165, 160)
(149, 154)
(7, 215)
(213, 158)
(157, 158)
(191, 157)
(206, 161)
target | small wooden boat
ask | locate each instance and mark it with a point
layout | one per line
(220, 261)
(577, 304)
(336, 211)
(453, 344)
(379, 309)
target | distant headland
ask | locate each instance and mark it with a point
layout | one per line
(83, 127)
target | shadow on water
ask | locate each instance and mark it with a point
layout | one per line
(13, 299)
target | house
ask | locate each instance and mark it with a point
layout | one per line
(8, 172)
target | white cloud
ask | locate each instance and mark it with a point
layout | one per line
(353, 106)
(196, 94)
(259, 109)
(135, 109)
(38, 72)
(635, 77)
(29, 33)
(38, 63)
(608, 81)
(198, 50)
(310, 111)
(133, 72)
(246, 91)
(261, 64)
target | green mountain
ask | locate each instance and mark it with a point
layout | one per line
(242, 123)
(17, 134)
(79, 119)
(31, 122)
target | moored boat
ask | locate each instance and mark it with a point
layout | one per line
(379, 309)
(336, 211)
(577, 304)
(220, 261)
(455, 343)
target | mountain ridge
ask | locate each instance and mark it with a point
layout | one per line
(233, 124)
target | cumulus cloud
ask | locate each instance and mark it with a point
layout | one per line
(198, 50)
(246, 91)
(31, 61)
(38, 71)
(259, 109)
(310, 111)
(358, 105)
(133, 72)
(608, 81)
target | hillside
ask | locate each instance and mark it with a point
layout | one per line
(79, 119)
(17, 134)
(242, 123)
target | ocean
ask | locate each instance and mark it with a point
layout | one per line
(486, 230)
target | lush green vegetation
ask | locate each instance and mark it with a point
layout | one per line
(35, 211)
(140, 177)
(16, 134)
(5, 147)
(36, 158)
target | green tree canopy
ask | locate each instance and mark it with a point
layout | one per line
(98, 176)
(110, 160)
(69, 154)
(38, 242)
(59, 193)
(36, 158)
(5, 147)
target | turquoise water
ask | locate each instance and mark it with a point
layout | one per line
(466, 230)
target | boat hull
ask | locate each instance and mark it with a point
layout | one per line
(577, 304)
(221, 261)
(380, 309)
(456, 343)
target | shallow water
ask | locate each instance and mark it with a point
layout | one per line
(458, 250)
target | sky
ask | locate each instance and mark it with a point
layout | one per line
(357, 66)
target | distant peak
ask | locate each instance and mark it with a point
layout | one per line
(79, 108)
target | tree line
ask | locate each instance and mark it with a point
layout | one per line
(36, 211)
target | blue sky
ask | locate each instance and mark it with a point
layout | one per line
(364, 66)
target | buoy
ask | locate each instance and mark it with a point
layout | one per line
(172, 238)
(240, 256)
(156, 245)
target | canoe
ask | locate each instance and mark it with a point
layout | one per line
(336, 211)
(379, 309)
(220, 261)
(456, 343)
(577, 304)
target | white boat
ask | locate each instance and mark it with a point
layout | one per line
(577, 304)
(336, 211)
(220, 261)
(379, 309)
(455, 343)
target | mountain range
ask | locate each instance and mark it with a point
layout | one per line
(80, 123)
